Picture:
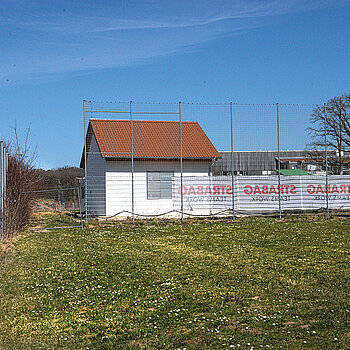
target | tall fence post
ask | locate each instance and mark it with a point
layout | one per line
(181, 165)
(279, 161)
(85, 166)
(326, 156)
(132, 166)
(2, 187)
(232, 166)
(80, 211)
(3, 171)
(59, 196)
(6, 163)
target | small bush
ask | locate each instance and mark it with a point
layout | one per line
(21, 179)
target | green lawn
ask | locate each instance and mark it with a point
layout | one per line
(250, 284)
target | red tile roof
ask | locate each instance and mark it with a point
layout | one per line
(152, 139)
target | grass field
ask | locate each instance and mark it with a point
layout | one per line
(249, 284)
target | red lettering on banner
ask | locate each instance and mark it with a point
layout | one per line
(319, 189)
(293, 189)
(207, 190)
(310, 189)
(248, 189)
(262, 189)
(216, 190)
(257, 190)
(191, 190)
(335, 189)
(287, 188)
(200, 190)
(272, 190)
(269, 189)
(184, 190)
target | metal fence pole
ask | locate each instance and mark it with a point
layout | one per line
(85, 165)
(181, 169)
(232, 166)
(326, 156)
(59, 196)
(132, 165)
(2, 188)
(279, 162)
(80, 211)
(6, 162)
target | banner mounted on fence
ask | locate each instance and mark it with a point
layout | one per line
(209, 195)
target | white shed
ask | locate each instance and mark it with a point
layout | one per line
(156, 150)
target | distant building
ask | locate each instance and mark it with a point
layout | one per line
(252, 163)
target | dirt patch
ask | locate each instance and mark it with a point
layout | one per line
(138, 344)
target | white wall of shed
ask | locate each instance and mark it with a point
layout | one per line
(119, 188)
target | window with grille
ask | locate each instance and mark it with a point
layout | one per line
(159, 184)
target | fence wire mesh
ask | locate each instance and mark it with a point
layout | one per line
(47, 203)
(184, 159)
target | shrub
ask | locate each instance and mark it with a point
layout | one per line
(22, 179)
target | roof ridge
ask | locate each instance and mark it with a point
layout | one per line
(145, 120)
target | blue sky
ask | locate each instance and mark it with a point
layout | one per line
(54, 54)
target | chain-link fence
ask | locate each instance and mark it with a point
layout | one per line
(56, 208)
(191, 160)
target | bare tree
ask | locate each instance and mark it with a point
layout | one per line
(333, 118)
(22, 180)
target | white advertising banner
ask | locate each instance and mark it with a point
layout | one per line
(205, 195)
